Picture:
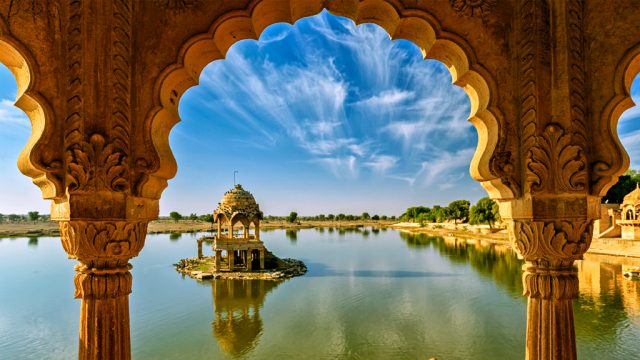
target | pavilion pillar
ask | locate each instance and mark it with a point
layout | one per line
(262, 252)
(218, 256)
(249, 261)
(219, 228)
(231, 256)
(257, 230)
(199, 248)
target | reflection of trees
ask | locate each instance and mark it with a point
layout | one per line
(33, 241)
(292, 235)
(175, 236)
(597, 319)
(502, 266)
(237, 324)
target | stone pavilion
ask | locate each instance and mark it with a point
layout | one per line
(240, 250)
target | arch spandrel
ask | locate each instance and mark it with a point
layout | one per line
(414, 22)
(613, 62)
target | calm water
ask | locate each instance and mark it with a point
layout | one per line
(368, 295)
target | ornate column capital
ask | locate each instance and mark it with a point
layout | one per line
(103, 244)
(553, 243)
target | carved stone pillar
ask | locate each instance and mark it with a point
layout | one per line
(103, 282)
(550, 281)
(551, 219)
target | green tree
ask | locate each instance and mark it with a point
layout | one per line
(437, 214)
(375, 217)
(365, 216)
(383, 217)
(175, 216)
(331, 217)
(208, 218)
(14, 217)
(483, 212)
(626, 183)
(2, 218)
(340, 217)
(293, 216)
(193, 216)
(33, 215)
(458, 210)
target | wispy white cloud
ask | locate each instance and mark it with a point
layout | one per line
(10, 114)
(381, 164)
(388, 98)
(350, 98)
(340, 167)
(444, 169)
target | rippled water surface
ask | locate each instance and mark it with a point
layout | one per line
(368, 294)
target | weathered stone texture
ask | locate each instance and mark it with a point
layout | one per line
(101, 82)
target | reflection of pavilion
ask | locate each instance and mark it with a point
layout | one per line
(236, 305)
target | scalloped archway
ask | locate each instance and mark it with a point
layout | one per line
(20, 63)
(626, 71)
(417, 26)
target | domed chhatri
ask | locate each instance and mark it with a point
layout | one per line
(243, 250)
(238, 251)
(238, 202)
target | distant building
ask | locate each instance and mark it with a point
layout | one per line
(620, 220)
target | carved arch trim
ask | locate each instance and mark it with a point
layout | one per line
(417, 26)
(45, 173)
(606, 173)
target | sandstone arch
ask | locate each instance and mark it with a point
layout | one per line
(417, 26)
(25, 71)
(618, 160)
(547, 81)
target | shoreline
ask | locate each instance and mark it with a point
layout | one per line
(51, 228)
(609, 247)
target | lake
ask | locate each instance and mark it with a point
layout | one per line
(369, 294)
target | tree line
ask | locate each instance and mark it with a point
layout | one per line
(485, 211)
(32, 216)
(293, 217)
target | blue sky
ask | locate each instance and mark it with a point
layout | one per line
(320, 117)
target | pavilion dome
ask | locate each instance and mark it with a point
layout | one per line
(238, 201)
(633, 197)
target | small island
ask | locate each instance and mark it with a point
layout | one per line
(241, 254)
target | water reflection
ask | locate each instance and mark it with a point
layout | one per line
(174, 236)
(292, 235)
(236, 304)
(606, 297)
(33, 241)
(494, 261)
